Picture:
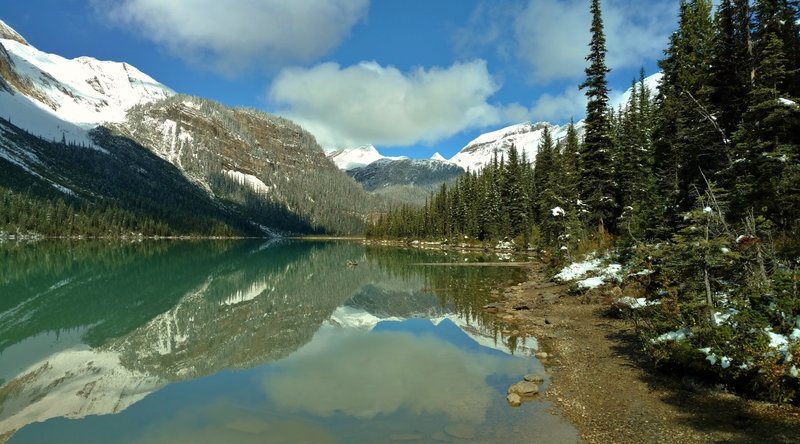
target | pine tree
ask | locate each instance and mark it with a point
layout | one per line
(597, 186)
(731, 64)
(571, 178)
(515, 197)
(768, 140)
(690, 147)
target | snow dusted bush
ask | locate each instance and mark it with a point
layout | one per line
(721, 305)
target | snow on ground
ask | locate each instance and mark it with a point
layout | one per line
(652, 83)
(577, 270)
(439, 157)
(677, 335)
(590, 283)
(635, 303)
(29, 115)
(590, 273)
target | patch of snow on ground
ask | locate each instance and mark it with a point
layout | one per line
(713, 358)
(635, 303)
(590, 283)
(677, 336)
(721, 318)
(777, 341)
(609, 274)
(578, 270)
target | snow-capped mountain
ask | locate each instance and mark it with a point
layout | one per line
(439, 157)
(414, 172)
(526, 137)
(349, 158)
(146, 139)
(651, 82)
(58, 94)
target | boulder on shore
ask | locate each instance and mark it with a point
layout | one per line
(534, 378)
(524, 388)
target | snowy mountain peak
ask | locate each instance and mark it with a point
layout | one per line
(526, 137)
(350, 158)
(57, 98)
(8, 33)
(439, 157)
(652, 83)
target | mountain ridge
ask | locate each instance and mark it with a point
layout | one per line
(212, 158)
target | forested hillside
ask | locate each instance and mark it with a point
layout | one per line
(696, 189)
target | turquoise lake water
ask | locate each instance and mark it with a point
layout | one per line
(257, 342)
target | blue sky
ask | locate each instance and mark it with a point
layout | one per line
(410, 76)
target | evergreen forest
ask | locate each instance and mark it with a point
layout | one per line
(695, 188)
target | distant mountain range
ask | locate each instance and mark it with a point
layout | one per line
(479, 152)
(413, 172)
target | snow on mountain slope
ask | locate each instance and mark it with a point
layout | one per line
(349, 158)
(415, 172)
(652, 83)
(9, 34)
(73, 383)
(439, 157)
(525, 137)
(64, 96)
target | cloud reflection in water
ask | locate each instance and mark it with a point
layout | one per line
(366, 374)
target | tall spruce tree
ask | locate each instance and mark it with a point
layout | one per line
(515, 196)
(768, 140)
(779, 17)
(571, 178)
(731, 64)
(689, 148)
(597, 182)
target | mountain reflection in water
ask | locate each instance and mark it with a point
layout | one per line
(94, 329)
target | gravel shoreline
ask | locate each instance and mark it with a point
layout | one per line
(604, 386)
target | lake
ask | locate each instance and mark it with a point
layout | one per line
(253, 342)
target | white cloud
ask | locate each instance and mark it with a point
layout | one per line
(553, 35)
(557, 108)
(370, 103)
(231, 35)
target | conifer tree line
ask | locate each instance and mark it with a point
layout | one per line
(725, 116)
(697, 185)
